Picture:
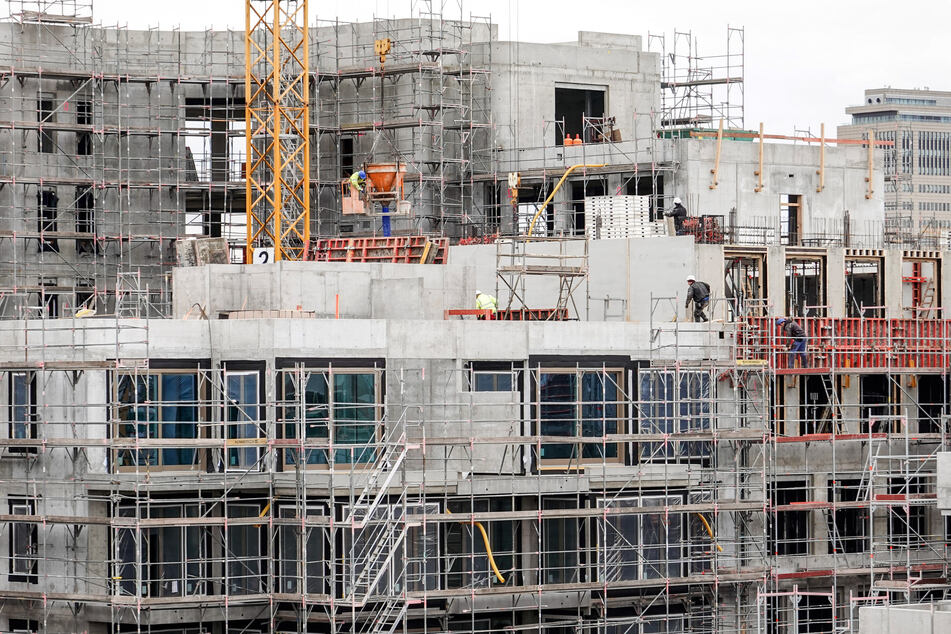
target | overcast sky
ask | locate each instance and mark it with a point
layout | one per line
(806, 60)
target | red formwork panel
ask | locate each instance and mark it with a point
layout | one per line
(399, 249)
(843, 343)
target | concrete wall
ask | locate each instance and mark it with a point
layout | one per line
(898, 619)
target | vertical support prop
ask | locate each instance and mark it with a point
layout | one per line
(871, 164)
(822, 158)
(759, 172)
(716, 162)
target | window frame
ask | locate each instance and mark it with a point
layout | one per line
(304, 369)
(241, 445)
(641, 565)
(679, 420)
(29, 574)
(200, 459)
(30, 423)
(579, 370)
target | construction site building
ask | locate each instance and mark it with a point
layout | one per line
(336, 445)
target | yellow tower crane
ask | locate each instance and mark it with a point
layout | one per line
(277, 129)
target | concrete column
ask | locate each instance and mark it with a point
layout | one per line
(892, 282)
(835, 282)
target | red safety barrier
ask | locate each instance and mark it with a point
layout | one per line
(844, 343)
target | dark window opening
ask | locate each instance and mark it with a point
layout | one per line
(819, 401)
(346, 156)
(50, 300)
(579, 191)
(24, 626)
(814, 614)
(85, 220)
(875, 393)
(805, 287)
(790, 219)
(84, 139)
(847, 526)
(571, 106)
(46, 218)
(23, 543)
(932, 401)
(468, 563)
(907, 513)
(921, 289)
(44, 115)
(561, 537)
(744, 281)
(864, 291)
(790, 529)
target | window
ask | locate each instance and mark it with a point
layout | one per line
(246, 549)
(805, 287)
(346, 156)
(157, 405)
(876, 394)
(847, 526)
(343, 407)
(744, 281)
(790, 219)
(907, 512)
(814, 614)
(45, 116)
(242, 412)
(21, 385)
(921, 280)
(818, 394)
(572, 105)
(46, 218)
(84, 138)
(579, 403)
(864, 291)
(304, 551)
(367, 549)
(561, 540)
(467, 558)
(931, 403)
(161, 561)
(673, 403)
(24, 626)
(493, 376)
(24, 554)
(640, 545)
(85, 220)
(790, 528)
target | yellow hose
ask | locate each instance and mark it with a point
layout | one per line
(488, 549)
(564, 176)
(709, 531)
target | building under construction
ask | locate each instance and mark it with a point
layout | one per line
(198, 440)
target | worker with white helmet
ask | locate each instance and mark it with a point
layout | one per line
(699, 294)
(678, 213)
(485, 301)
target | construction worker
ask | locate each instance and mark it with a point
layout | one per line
(699, 294)
(486, 302)
(797, 336)
(678, 213)
(358, 180)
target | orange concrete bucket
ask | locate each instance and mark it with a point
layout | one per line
(386, 179)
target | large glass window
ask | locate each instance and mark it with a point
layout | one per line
(579, 403)
(157, 405)
(243, 416)
(22, 410)
(675, 403)
(304, 551)
(467, 549)
(246, 547)
(640, 545)
(24, 554)
(160, 561)
(330, 407)
(561, 541)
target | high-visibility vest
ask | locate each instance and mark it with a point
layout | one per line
(486, 302)
(356, 181)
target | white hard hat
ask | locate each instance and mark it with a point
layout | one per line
(478, 292)
(691, 278)
(677, 201)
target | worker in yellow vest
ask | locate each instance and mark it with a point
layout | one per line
(486, 302)
(358, 180)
